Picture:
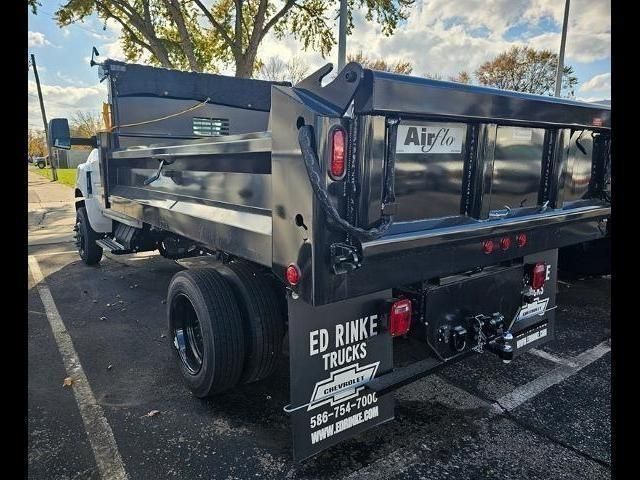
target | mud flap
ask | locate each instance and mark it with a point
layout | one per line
(534, 322)
(334, 351)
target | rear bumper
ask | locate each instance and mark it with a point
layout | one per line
(404, 259)
(391, 244)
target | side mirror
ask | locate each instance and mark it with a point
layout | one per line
(59, 136)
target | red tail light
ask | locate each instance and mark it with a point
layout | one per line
(505, 243)
(488, 246)
(521, 239)
(538, 275)
(293, 274)
(338, 153)
(400, 317)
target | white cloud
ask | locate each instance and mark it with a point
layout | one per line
(592, 99)
(63, 101)
(437, 37)
(70, 80)
(112, 50)
(37, 39)
(599, 83)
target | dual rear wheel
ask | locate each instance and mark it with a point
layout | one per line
(226, 326)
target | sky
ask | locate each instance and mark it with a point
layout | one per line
(440, 36)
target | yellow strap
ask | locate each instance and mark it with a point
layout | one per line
(163, 118)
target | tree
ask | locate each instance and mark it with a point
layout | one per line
(461, 77)
(524, 69)
(277, 70)
(399, 66)
(187, 34)
(33, 5)
(36, 143)
(85, 124)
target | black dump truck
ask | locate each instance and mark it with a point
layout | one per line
(372, 228)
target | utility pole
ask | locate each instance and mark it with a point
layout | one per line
(54, 174)
(563, 42)
(342, 36)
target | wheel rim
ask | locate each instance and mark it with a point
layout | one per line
(187, 334)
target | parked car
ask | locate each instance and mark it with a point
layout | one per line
(41, 162)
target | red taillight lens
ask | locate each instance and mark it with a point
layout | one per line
(538, 275)
(488, 246)
(400, 317)
(338, 153)
(293, 274)
(505, 243)
(521, 239)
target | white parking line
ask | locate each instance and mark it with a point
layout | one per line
(399, 460)
(66, 252)
(103, 443)
(529, 390)
(551, 357)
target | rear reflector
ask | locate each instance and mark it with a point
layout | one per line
(338, 153)
(400, 317)
(293, 274)
(538, 275)
(488, 246)
(521, 239)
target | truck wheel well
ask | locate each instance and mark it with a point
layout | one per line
(78, 194)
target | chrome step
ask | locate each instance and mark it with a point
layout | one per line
(112, 246)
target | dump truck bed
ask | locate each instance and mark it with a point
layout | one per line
(512, 161)
(217, 191)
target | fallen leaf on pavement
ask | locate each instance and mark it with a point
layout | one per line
(67, 382)
(153, 413)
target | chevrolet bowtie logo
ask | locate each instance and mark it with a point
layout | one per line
(342, 384)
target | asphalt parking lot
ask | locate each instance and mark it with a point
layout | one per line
(545, 415)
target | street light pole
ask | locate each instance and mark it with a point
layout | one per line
(342, 36)
(563, 42)
(54, 174)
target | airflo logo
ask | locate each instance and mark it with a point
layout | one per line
(432, 139)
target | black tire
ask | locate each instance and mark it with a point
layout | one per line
(41, 165)
(589, 258)
(263, 318)
(203, 295)
(86, 238)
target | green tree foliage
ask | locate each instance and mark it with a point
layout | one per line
(36, 143)
(33, 5)
(202, 36)
(524, 69)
